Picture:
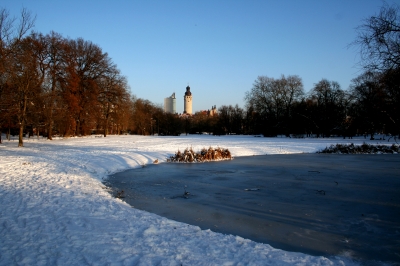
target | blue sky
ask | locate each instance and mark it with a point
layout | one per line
(218, 47)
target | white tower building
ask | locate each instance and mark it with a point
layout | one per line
(170, 104)
(187, 104)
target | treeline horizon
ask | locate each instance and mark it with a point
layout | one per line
(53, 85)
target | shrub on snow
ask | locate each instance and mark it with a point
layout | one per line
(360, 149)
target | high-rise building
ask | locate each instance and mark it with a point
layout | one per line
(170, 104)
(187, 104)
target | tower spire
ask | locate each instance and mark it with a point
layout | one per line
(187, 101)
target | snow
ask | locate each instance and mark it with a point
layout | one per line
(54, 209)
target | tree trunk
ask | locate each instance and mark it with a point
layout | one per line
(77, 130)
(21, 135)
(106, 122)
(106, 127)
(22, 122)
(50, 122)
(50, 131)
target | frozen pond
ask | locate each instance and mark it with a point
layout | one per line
(317, 204)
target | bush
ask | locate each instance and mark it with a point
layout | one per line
(205, 155)
(360, 149)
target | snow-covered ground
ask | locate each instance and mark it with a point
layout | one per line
(54, 209)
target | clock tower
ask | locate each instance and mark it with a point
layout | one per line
(187, 109)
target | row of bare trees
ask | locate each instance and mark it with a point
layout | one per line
(50, 83)
(281, 107)
(370, 105)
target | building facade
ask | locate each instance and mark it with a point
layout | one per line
(170, 104)
(213, 111)
(187, 104)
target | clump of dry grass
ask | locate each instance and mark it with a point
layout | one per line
(205, 155)
(361, 149)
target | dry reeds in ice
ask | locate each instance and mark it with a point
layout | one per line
(205, 155)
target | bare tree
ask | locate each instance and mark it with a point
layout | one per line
(391, 82)
(261, 96)
(141, 116)
(84, 66)
(293, 91)
(71, 86)
(25, 80)
(112, 96)
(331, 103)
(10, 31)
(379, 39)
(6, 26)
(379, 43)
(273, 99)
(53, 63)
(369, 102)
(10, 36)
(122, 113)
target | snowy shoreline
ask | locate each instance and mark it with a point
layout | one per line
(55, 209)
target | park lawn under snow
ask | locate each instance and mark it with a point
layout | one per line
(54, 209)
